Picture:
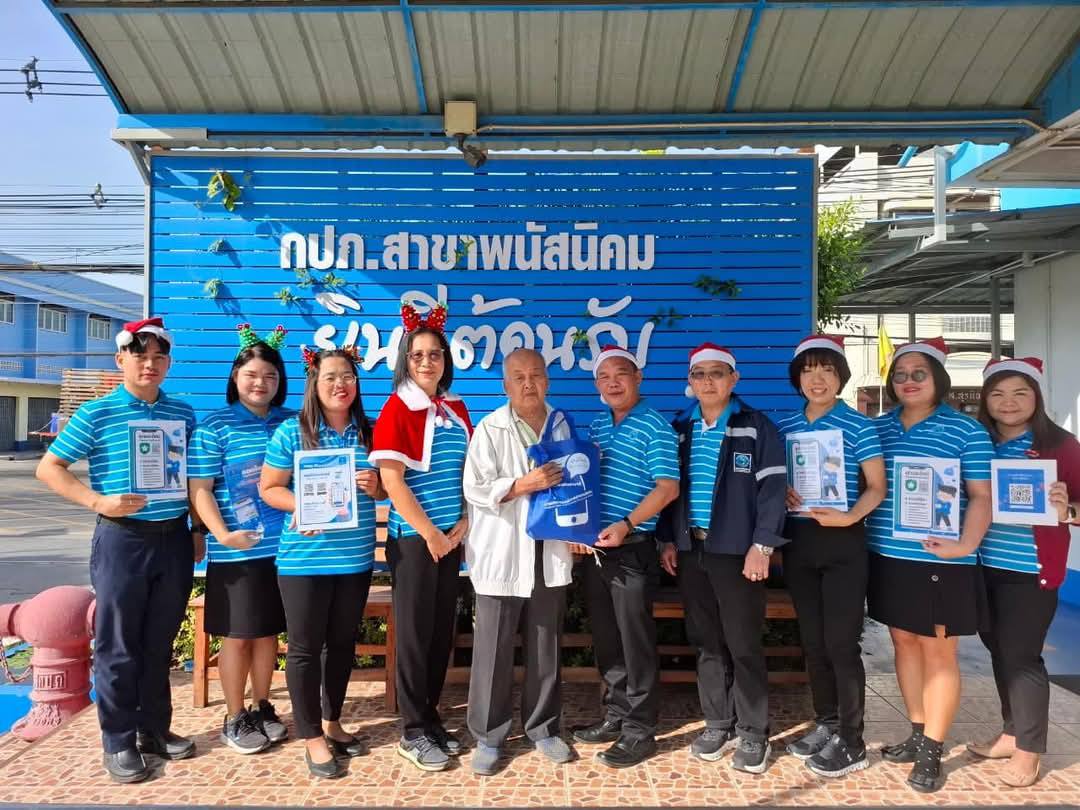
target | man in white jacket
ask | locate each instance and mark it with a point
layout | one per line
(520, 583)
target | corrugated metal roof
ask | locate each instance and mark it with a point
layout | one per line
(549, 63)
(905, 273)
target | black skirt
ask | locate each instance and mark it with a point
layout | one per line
(917, 596)
(243, 600)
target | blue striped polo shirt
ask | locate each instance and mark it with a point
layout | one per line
(98, 432)
(946, 433)
(705, 443)
(1006, 546)
(633, 455)
(341, 551)
(861, 442)
(234, 437)
(439, 490)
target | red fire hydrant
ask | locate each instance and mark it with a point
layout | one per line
(59, 624)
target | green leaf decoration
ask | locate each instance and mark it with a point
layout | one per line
(222, 181)
(212, 288)
(717, 287)
(285, 296)
(332, 281)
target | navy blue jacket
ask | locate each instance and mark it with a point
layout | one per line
(749, 503)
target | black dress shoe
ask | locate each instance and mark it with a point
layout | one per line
(603, 732)
(166, 746)
(324, 770)
(627, 752)
(126, 766)
(353, 747)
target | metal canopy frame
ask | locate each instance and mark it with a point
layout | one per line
(972, 272)
(794, 127)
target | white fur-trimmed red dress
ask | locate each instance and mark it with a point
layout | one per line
(430, 437)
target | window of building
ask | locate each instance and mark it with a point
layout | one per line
(7, 309)
(967, 323)
(52, 319)
(98, 328)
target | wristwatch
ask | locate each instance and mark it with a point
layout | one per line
(1070, 514)
(198, 528)
(766, 551)
(629, 525)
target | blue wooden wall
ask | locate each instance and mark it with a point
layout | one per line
(749, 220)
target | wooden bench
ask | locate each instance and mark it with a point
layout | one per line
(379, 606)
(668, 605)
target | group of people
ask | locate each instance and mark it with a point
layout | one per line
(705, 497)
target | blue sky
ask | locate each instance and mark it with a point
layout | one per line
(58, 145)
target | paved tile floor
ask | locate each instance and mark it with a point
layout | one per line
(65, 767)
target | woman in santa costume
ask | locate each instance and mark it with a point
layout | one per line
(420, 442)
(1023, 566)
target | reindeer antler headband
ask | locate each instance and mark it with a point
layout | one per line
(309, 355)
(436, 319)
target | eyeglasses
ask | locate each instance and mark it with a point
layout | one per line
(433, 356)
(918, 375)
(715, 375)
(344, 379)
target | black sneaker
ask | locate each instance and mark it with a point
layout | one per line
(167, 746)
(810, 744)
(712, 743)
(751, 756)
(243, 734)
(447, 742)
(837, 759)
(902, 751)
(269, 722)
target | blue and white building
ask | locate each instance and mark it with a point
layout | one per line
(50, 321)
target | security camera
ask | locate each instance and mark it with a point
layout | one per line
(473, 155)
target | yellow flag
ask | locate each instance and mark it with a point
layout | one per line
(884, 351)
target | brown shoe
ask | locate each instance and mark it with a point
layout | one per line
(992, 749)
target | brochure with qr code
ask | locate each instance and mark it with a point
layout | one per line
(815, 463)
(158, 453)
(325, 486)
(926, 498)
(1020, 491)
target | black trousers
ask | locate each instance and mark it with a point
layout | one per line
(1020, 616)
(725, 614)
(141, 572)
(425, 609)
(620, 592)
(539, 618)
(321, 614)
(826, 574)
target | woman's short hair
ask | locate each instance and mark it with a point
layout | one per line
(942, 381)
(818, 357)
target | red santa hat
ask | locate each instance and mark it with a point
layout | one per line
(1031, 367)
(710, 351)
(609, 351)
(147, 326)
(931, 347)
(833, 343)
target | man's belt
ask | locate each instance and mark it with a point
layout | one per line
(149, 529)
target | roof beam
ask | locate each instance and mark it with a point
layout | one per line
(343, 6)
(1060, 97)
(414, 57)
(721, 127)
(744, 54)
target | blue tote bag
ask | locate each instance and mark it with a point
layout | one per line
(570, 510)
